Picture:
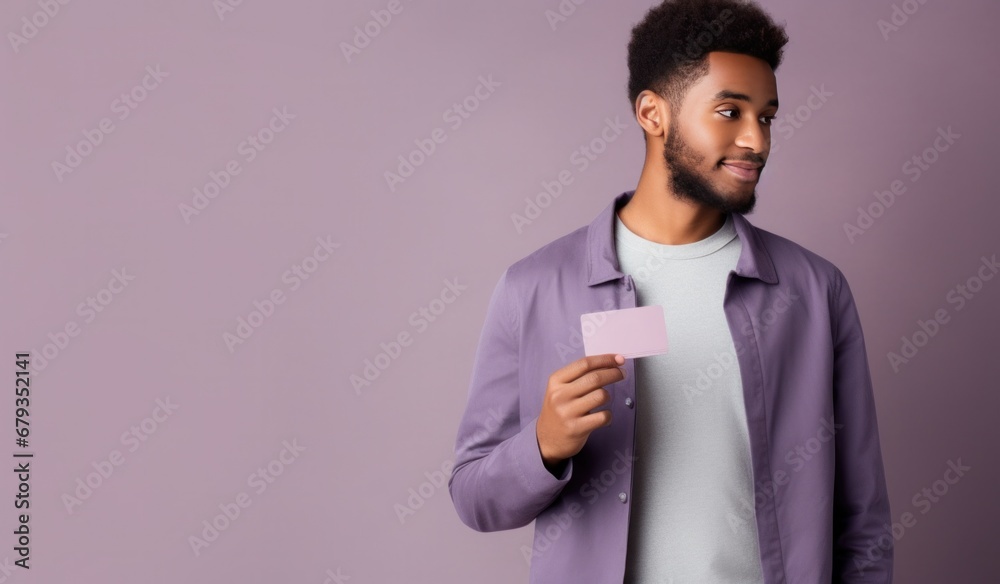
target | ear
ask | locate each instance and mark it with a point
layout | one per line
(652, 113)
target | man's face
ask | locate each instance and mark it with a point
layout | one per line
(724, 123)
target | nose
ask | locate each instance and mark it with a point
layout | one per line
(755, 136)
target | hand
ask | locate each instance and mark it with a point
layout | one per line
(566, 421)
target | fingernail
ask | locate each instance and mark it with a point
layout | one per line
(619, 359)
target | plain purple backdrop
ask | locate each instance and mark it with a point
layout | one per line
(308, 216)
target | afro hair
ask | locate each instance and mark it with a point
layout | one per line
(668, 51)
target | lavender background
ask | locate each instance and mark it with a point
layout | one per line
(364, 498)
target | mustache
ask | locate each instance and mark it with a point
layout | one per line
(752, 159)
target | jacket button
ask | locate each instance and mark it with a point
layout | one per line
(622, 497)
(628, 402)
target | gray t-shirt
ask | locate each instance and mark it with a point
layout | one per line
(692, 517)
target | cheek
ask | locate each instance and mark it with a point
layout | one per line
(711, 143)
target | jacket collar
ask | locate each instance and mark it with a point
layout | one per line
(602, 258)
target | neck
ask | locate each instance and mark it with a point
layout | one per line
(656, 214)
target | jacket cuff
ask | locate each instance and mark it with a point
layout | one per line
(530, 467)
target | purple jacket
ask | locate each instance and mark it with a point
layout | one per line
(820, 505)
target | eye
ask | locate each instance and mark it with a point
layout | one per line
(766, 119)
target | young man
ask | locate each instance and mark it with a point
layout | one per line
(749, 453)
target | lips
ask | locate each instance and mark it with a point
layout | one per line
(744, 171)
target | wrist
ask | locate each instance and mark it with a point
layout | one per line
(555, 466)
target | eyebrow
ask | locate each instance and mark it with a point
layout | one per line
(726, 94)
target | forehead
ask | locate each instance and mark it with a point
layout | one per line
(735, 73)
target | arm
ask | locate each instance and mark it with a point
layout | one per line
(499, 480)
(863, 547)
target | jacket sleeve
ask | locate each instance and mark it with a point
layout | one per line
(499, 481)
(862, 546)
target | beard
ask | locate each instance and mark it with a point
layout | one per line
(687, 183)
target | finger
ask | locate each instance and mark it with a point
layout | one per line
(592, 380)
(591, 422)
(574, 370)
(586, 383)
(582, 406)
